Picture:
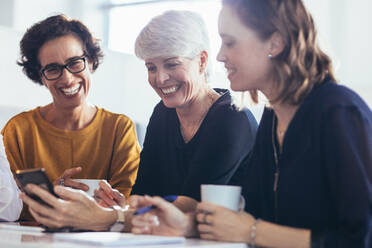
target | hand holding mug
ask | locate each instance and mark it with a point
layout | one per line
(106, 196)
(66, 179)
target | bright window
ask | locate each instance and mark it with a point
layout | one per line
(126, 21)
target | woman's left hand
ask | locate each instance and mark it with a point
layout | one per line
(107, 197)
(219, 223)
(74, 209)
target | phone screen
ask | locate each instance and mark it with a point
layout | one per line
(37, 177)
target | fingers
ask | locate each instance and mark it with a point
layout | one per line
(45, 220)
(207, 207)
(204, 218)
(70, 194)
(141, 230)
(145, 219)
(119, 197)
(203, 228)
(43, 194)
(159, 202)
(207, 236)
(104, 198)
(37, 210)
(75, 184)
(135, 201)
(70, 172)
(106, 187)
(144, 224)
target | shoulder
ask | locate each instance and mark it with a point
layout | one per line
(111, 118)
(225, 112)
(22, 120)
(330, 102)
(330, 95)
(161, 114)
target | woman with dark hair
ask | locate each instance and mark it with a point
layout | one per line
(69, 137)
(308, 181)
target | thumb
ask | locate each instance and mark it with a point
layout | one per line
(160, 203)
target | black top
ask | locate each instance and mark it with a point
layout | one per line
(168, 165)
(325, 169)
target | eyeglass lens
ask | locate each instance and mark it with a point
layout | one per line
(55, 71)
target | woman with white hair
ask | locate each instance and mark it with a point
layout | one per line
(195, 135)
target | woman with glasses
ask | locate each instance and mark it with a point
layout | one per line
(69, 137)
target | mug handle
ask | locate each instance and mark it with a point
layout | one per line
(241, 203)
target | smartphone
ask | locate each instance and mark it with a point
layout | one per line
(37, 177)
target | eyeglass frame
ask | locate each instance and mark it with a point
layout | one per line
(65, 66)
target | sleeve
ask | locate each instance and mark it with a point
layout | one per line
(10, 204)
(125, 158)
(145, 180)
(348, 160)
(225, 143)
(11, 134)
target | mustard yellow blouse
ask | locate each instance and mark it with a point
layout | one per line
(106, 149)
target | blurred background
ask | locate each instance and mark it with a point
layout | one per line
(120, 84)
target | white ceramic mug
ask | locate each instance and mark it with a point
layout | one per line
(92, 184)
(227, 196)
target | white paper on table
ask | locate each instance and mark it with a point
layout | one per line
(12, 226)
(116, 239)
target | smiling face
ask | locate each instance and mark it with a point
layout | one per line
(70, 90)
(244, 54)
(176, 80)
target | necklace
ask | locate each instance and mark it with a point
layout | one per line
(193, 127)
(277, 171)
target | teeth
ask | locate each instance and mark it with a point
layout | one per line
(71, 91)
(229, 71)
(169, 90)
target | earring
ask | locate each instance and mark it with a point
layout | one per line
(270, 56)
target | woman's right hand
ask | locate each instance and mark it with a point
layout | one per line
(74, 209)
(106, 196)
(66, 180)
(165, 219)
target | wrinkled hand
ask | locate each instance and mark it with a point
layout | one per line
(106, 196)
(75, 209)
(69, 182)
(165, 219)
(219, 223)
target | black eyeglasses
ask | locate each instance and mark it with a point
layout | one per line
(55, 71)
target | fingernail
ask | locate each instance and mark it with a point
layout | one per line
(155, 220)
(29, 187)
(58, 189)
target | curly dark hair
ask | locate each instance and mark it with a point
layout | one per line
(51, 28)
(302, 64)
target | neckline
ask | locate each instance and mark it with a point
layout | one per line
(51, 128)
(223, 94)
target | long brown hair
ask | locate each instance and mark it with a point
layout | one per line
(302, 64)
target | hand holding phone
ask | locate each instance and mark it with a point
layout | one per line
(37, 177)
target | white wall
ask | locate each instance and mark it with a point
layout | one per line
(346, 34)
(120, 84)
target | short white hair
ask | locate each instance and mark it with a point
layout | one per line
(174, 34)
